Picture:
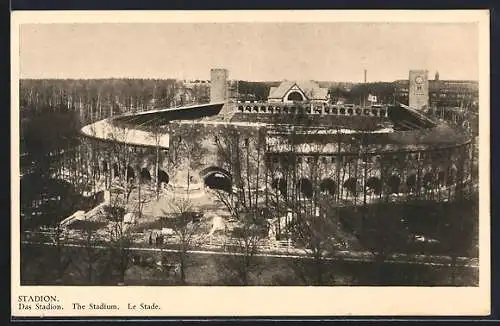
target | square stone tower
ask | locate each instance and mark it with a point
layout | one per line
(219, 85)
(418, 89)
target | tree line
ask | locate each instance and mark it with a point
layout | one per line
(262, 195)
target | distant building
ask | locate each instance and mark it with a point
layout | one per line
(443, 93)
(296, 91)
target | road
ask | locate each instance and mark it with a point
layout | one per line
(339, 255)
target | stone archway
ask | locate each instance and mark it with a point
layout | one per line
(217, 178)
(328, 186)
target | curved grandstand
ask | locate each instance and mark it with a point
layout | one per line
(387, 149)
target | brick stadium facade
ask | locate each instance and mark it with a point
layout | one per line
(351, 155)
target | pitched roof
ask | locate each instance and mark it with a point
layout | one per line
(310, 88)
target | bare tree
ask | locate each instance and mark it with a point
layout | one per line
(183, 222)
(122, 155)
(63, 258)
(158, 131)
(384, 235)
(91, 240)
(459, 229)
(185, 149)
(245, 246)
(118, 236)
(313, 225)
(120, 241)
(242, 153)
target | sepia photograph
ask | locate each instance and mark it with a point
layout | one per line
(176, 153)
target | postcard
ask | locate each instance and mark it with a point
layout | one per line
(250, 163)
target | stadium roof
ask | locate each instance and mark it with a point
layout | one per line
(164, 116)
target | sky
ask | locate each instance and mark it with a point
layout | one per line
(250, 51)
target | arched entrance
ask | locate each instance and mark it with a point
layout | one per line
(394, 182)
(163, 177)
(428, 180)
(218, 179)
(280, 184)
(328, 186)
(145, 175)
(295, 96)
(411, 182)
(375, 185)
(351, 185)
(130, 173)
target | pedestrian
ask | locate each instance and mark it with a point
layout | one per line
(151, 238)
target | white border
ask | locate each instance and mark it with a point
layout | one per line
(272, 301)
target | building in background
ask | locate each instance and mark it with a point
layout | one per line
(443, 93)
(298, 91)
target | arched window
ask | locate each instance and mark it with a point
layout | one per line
(295, 96)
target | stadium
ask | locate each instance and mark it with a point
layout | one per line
(359, 154)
